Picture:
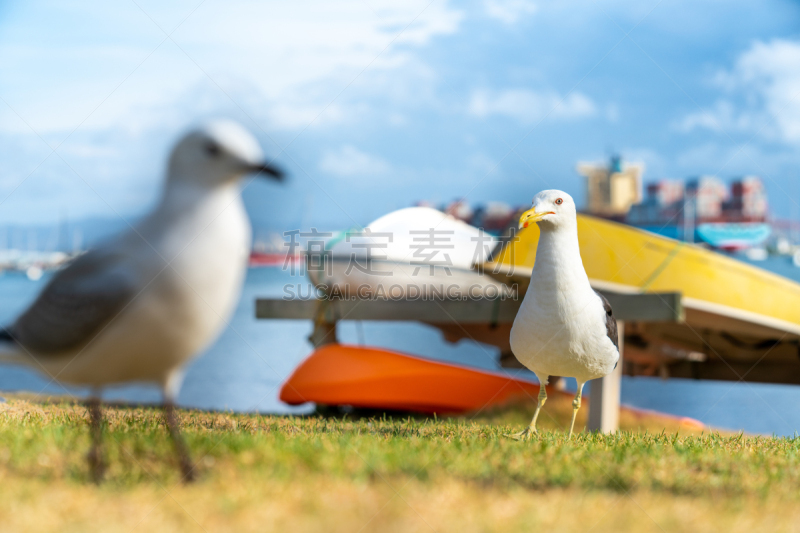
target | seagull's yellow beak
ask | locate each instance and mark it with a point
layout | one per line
(532, 216)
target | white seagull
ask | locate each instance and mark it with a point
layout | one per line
(563, 327)
(143, 304)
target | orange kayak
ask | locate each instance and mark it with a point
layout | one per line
(374, 378)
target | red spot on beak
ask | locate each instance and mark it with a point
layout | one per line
(525, 225)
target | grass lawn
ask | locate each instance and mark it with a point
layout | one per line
(266, 473)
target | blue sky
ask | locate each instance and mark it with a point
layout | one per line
(371, 105)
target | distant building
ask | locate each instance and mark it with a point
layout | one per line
(460, 209)
(704, 199)
(707, 195)
(663, 202)
(748, 201)
(612, 190)
(493, 217)
(666, 192)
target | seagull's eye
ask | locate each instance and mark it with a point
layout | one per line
(212, 149)
(559, 201)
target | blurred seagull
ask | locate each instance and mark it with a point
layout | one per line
(143, 304)
(563, 327)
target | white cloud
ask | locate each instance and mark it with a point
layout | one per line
(297, 56)
(763, 94)
(285, 45)
(722, 117)
(526, 106)
(509, 11)
(279, 68)
(349, 161)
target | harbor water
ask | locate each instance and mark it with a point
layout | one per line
(244, 369)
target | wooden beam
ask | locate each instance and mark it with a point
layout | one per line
(650, 307)
(604, 395)
(646, 307)
(295, 309)
(755, 371)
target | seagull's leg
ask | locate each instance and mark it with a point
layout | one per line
(95, 457)
(539, 405)
(174, 425)
(576, 404)
(531, 429)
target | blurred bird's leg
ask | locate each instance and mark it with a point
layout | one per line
(95, 457)
(576, 404)
(174, 425)
(171, 388)
(530, 430)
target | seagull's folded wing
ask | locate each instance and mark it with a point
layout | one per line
(77, 304)
(611, 322)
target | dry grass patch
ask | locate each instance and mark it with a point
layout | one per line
(316, 473)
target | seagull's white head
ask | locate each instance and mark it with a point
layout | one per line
(217, 153)
(551, 209)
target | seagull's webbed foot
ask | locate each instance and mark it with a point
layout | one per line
(97, 466)
(185, 461)
(530, 431)
(525, 434)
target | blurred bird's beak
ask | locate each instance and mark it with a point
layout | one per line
(532, 216)
(266, 170)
